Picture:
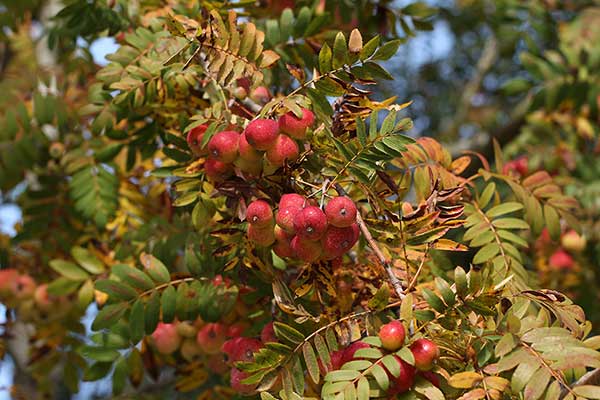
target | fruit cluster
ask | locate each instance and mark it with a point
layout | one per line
(561, 258)
(301, 230)
(21, 290)
(262, 138)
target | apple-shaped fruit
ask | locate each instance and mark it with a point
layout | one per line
(260, 214)
(338, 241)
(425, 352)
(241, 349)
(294, 126)
(561, 260)
(165, 338)
(223, 146)
(247, 151)
(404, 381)
(194, 140)
(341, 212)
(392, 335)
(283, 149)
(190, 349)
(263, 237)
(23, 287)
(572, 241)
(211, 337)
(350, 350)
(305, 249)
(217, 170)
(261, 133)
(310, 223)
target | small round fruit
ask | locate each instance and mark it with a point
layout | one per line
(338, 241)
(264, 237)
(294, 126)
(561, 260)
(310, 223)
(572, 241)
(284, 149)
(216, 170)
(41, 297)
(431, 377)
(194, 139)
(211, 338)
(261, 95)
(237, 377)
(404, 381)
(305, 249)
(190, 349)
(237, 329)
(165, 338)
(223, 146)
(261, 133)
(336, 362)
(186, 329)
(24, 287)
(292, 200)
(392, 335)
(341, 212)
(267, 334)
(8, 277)
(351, 350)
(241, 349)
(425, 352)
(285, 218)
(283, 243)
(247, 152)
(260, 214)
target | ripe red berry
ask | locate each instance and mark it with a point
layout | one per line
(261, 133)
(247, 152)
(284, 149)
(310, 223)
(261, 236)
(285, 218)
(7, 278)
(305, 249)
(236, 329)
(340, 212)
(404, 381)
(259, 214)
(223, 146)
(283, 243)
(237, 377)
(211, 337)
(23, 287)
(216, 170)
(350, 350)
(392, 335)
(194, 139)
(561, 260)
(292, 200)
(338, 241)
(425, 352)
(165, 338)
(336, 362)
(431, 377)
(241, 349)
(294, 126)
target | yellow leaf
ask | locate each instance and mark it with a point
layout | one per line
(464, 380)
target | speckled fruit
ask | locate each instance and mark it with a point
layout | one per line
(223, 146)
(261, 236)
(211, 337)
(241, 349)
(305, 249)
(340, 212)
(216, 170)
(261, 133)
(392, 335)
(338, 241)
(310, 223)
(165, 338)
(284, 149)
(294, 126)
(194, 140)
(425, 352)
(292, 200)
(285, 218)
(247, 152)
(260, 214)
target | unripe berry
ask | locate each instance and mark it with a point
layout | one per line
(404, 381)
(259, 214)
(310, 223)
(211, 338)
(194, 139)
(284, 149)
(237, 377)
(190, 349)
(338, 241)
(305, 249)
(392, 335)
(572, 241)
(340, 212)
(264, 237)
(561, 260)
(223, 146)
(261, 133)
(247, 152)
(165, 338)
(267, 335)
(350, 350)
(425, 352)
(216, 170)
(186, 329)
(294, 126)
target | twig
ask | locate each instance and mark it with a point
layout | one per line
(369, 238)
(414, 279)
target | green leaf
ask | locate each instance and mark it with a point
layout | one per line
(362, 389)
(152, 313)
(119, 378)
(434, 301)
(322, 351)
(136, 321)
(419, 9)
(486, 253)
(342, 375)
(109, 152)
(109, 315)
(387, 50)
(97, 371)
(87, 260)
(115, 289)
(487, 194)
(69, 270)
(311, 362)
(368, 352)
(504, 208)
(391, 364)
(287, 333)
(340, 51)
(99, 353)
(380, 376)
(587, 391)
(325, 57)
(168, 304)
(155, 268)
(132, 276)
(510, 223)
(63, 286)
(381, 298)
(369, 48)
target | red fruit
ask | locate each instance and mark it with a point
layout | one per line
(236, 329)
(338, 241)
(241, 349)
(42, 298)
(260, 95)
(340, 212)
(237, 377)
(518, 166)
(23, 287)
(261, 133)
(305, 249)
(431, 377)
(8, 278)
(336, 362)
(425, 352)
(283, 243)
(223, 146)
(216, 364)
(211, 337)
(572, 241)
(260, 214)
(292, 200)
(284, 149)
(294, 126)
(165, 338)
(216, 170)
(404, 381)
(561, 260)
(261, 236)
(267, 334)
(350, 350)
(310, 223)
(247, 152)
(194, 139)
(392, 335)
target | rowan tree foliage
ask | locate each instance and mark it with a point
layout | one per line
(240, 213)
